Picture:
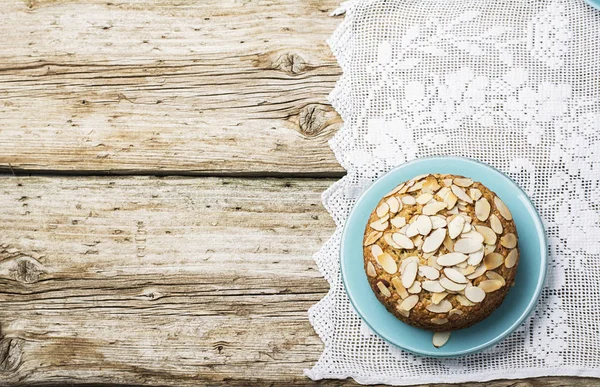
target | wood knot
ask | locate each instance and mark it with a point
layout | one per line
(11, 352)
(314, 118)
(290, 63)
(27, 270)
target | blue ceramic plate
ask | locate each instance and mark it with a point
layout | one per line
(520, 300)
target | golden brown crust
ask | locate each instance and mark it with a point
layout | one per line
(461, 316)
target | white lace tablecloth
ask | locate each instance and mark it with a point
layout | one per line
(513, 83)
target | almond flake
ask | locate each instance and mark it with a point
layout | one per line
(455, 275)
(383, 289)
(451, 285)
(387, 237)
(496, 224)
(462, 207)
(449, 244)
(466, 228)
(442, 192)
(379, 225)
(467, 218)
(450, 199)
(409, 200)
(395, 190)
(479, 271)
(383, 209)
(452, 211)
(451, 259)
(432, 286)
(467, 245)
(467, 270)
(371, 270)
(432, 261)
(419, 177)
(437, 297)
(437, 221)
(400, 289)
(398, 221)
(418, 241)
(455, 311)
(430, 186)
(475, 193)
(463, 182)
(474, 294)
(433, 208)
(476, 257)
(409, 274)
(434, 240)
(403, 312)
(455, 226)
(489, 236)
(461, 194)
(406, 261)
(373, 237)
(416, 187)
(439, 321)
(376, 250)
(463, 300)
(388, 263)
(424, 198)
(511, 258)
(429, 272)
(443, 307)
(475, 235)
(482, 209)
(502, 209)
(394, 204)
(415, 288)
(488, 249)
(509, 240)
(424, 225)
(490, 286)
(403, 241)
(409, 302)
(447, 182)
(493, 260)
(440, 338)
(495, 276)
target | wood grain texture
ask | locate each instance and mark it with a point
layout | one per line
(163, 281)
(194, 87)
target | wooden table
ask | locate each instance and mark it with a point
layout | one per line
(160, 198)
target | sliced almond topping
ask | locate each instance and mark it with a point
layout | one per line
(383, 289)
(388, 263)
(475, 235)
(449, 244)
(461, 194)
(495, 276)
(383, 209)
(474, 294)
(398, 221)
(447, 182)
(489, 236)
(440, 338)
(475, 194)
(379, 225)
(451, 285)
(415, 288)
(409, 200)
(371, 270)
(479, 271)
(406, 261)
(395, 190)
(403, 241)
(409, 274)
(412, 230)
(418, 241)
(462, 265)
(462, 207)
(502, 209)
(450, 199)
(437, 297)
(467, 245)
(409, 302)
(463, 300)
(433, 208)
(424, 225)
(403, 312)
(387, 237)
(443, 307)
(496, 224)
(455, 275)
(511, 258)
(437, 221)
(424, 198)
(490, 286)
(376, 251)
(429, 272)
(394, 204)
(467, 218)
(439, 321)
(482, 209)
(442, 192)
(432, 286)
(432, 261)
(451, 259)
(452, 211)
(455, 311)
(463, 182)
(416, 187)
(488, 249)
(509, 240)
(467, 270)
(476, 257)
(430, 186)
(419, 177)
(455, 226)
(466, 228)
(403, 229)
(434, 240)
(373, 237)
(493, 260)
(400, 289)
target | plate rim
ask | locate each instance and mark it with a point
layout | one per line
(532, 302)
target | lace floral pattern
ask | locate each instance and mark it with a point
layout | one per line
(512, 83)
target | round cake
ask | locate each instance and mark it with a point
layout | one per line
(441, 252)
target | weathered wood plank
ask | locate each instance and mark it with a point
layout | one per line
(163, 281)
(194, 87)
